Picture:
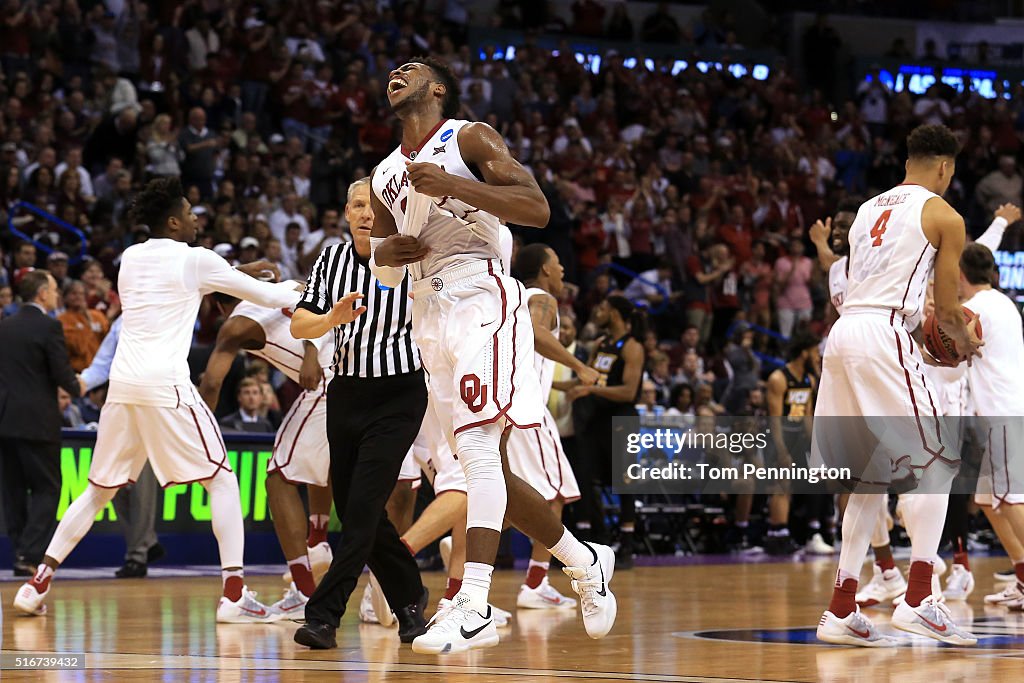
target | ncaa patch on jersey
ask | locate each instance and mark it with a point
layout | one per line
(447, 135)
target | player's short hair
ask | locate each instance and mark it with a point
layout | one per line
(531, 259)
(32, 282)
(450, 105)
(978, 264)
(800, 342)
(849, 205)
(158, 201)
(932, 141)
(356, 184)
(632, 314)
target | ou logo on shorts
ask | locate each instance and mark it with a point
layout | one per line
(437, 284)
(471, 391)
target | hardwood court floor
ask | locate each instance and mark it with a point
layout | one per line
(689, 623)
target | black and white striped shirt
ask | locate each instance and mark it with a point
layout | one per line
(379, 342)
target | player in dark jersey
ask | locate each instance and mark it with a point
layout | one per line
(619, 358)
(790, 399)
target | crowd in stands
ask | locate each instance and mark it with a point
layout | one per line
(691, 193)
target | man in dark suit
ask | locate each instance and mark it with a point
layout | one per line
(33, 364)
(247, 417)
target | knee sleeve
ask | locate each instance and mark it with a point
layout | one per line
(480, 457)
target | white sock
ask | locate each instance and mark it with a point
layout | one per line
(476, 584)
(571, 552)
(77, 520)
(226, 517)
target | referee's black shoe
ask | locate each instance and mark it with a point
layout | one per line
(316, 636)
(411, 622)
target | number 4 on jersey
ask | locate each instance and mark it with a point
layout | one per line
(879, 229)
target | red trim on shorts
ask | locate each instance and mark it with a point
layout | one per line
(543, 467)
(220, 465)
(406, 150)
(293, 482)
(115, 486)
(302, 425)
(195, 481)
(553, 433)
(936, 455)
(1006, 468)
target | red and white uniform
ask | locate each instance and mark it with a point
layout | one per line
(301, 452)
(471, 322)
(872, 366)
(536, 455)
(838, 283)
(153, 411)
(997, 395)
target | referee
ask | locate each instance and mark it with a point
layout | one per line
(375, 405)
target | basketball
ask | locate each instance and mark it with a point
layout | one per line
(939, 345)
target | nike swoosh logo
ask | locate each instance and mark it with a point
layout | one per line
(939, 629)
(486, 324)
(261, 613)
(553, 601)
(604, 586)
(860, 634)
(469, 634)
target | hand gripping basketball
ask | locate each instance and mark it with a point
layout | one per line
(945, 348)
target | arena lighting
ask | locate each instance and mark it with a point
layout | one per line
(592, 62)
(916, 78)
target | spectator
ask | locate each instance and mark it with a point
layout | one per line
(287, 214)
(6, 301)
(1002, 186)
(73, 161)
(681, 401)
(247, 418)
(99, 292)
(163, 155)
(792, 278)
(202, 41)
(84, 327)
(33, 364)
(703, 274)
(932, 109)
(200, 145)
(743, 369)
(71, 416)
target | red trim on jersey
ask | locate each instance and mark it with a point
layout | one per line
(918, 184)
(406, 151)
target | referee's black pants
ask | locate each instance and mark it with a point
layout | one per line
(371, 424)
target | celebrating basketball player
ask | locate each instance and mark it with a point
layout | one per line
(872, 367)
(447, 187)
(152, 409)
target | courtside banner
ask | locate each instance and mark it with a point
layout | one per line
(665, 454)
(184, 508)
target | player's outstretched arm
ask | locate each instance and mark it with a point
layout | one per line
(542, 313)
(1005, 215)
(235, 334)
(509, 191)
(819, 236)
(211, 273)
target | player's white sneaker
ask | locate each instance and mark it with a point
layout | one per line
(500, 616)
(959, 584)
(543, 596)
(818, 546)
(933, 619)
(596, 598)
(883, 587)
(457, 629)
(1011, 593)
(292, 605)
(1005, 575)
(29, 601)
(381, 608)
(246, 610)
(444, 546)
(854, 629)
(366, 613)
(320, 558)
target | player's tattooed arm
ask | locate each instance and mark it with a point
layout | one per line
(543, 312)
(509, 191)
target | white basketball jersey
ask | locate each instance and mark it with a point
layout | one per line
(282, 350)
(890, 257)
(995, 376)
(545, 366)
(457, 233)
(838, 283)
